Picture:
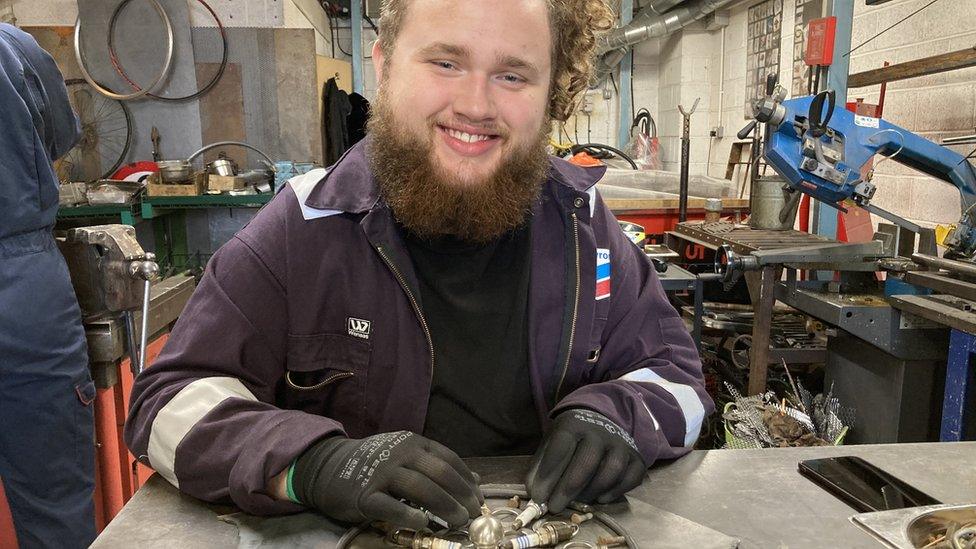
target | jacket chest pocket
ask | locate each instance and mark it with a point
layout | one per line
(326, 374)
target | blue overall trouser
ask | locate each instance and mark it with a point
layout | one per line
(47, 451)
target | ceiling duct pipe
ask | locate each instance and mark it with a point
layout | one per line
(661, 6)
(652, 24)
(649, 23)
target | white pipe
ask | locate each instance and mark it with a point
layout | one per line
(721, 82)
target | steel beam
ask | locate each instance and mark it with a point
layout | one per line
(626, 74)
(826, 220)
(759, 352)
(356, 22)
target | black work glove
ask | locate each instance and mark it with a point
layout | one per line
(586, 457)
(356, 480)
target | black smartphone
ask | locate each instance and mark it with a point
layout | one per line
(862, 485)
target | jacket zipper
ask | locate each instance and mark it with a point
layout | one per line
(572, 325)
(413, 302)
(323, 383)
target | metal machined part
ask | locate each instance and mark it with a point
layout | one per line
(544, 535)
(531, 512)
(80, 57)
(486, 531)
(965, 268)
(422, 540)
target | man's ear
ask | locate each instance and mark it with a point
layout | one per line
(378, 61)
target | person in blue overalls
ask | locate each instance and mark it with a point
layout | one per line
(47, 450)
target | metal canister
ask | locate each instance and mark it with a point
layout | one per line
(768, 199)
(223, 166)
(174, 171)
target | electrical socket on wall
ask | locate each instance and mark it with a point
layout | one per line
(586, 105)
(717, 132)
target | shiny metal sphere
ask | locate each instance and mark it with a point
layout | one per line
(486, 531)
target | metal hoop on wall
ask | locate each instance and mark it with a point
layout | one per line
(199, 93)
(80, 57)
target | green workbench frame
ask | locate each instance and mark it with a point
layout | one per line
(168, 216)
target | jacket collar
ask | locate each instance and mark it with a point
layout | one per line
(349, 184)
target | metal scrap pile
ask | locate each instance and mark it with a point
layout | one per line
(800, 419)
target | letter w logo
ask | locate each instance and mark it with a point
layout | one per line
(358, 327)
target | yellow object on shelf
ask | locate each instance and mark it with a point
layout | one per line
(941, 232)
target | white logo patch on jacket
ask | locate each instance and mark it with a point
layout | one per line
(358, 327)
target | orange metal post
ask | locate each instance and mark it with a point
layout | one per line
(107, 456)
(8, 537)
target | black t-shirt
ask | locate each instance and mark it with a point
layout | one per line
(475, 301)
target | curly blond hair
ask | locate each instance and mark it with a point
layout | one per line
(576, 25)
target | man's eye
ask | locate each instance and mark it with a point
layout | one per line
(444, 64)
(513, 79)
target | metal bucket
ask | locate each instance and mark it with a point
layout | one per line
(769, 200)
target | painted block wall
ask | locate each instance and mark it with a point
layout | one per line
(711, 65)
(936, 106)
(727, 53)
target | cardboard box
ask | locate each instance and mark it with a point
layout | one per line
(225, 182)
(177, 189)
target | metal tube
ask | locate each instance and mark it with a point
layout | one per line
(626, 74)
(206, 148)
(144, 335)
(130, 337)
(685, 161)
(960, 267)
(685, 167)
(654, 24)
(356, 27)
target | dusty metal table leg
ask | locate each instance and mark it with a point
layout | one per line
(759, 353)
(962, 346)
(696, 330)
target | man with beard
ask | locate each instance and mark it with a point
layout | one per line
(444, 290)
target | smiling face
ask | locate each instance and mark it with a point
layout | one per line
(470, 81)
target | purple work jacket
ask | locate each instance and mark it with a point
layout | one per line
(308, 323)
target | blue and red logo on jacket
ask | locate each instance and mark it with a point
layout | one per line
(602, 273)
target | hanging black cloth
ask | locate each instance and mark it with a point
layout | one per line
(356, 121)
(335, 110)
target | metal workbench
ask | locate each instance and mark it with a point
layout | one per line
(745, 240)
(676, 279)
(756, 496)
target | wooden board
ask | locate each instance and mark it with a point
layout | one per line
(221, 112)
(57, 41)
(196, 188)
(225, 182)
(912, 69)
(618, 205)
(327, 67)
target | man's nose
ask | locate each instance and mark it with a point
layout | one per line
(474, 100)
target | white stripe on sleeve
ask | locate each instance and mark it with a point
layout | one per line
(182, 413)
(691, 406)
